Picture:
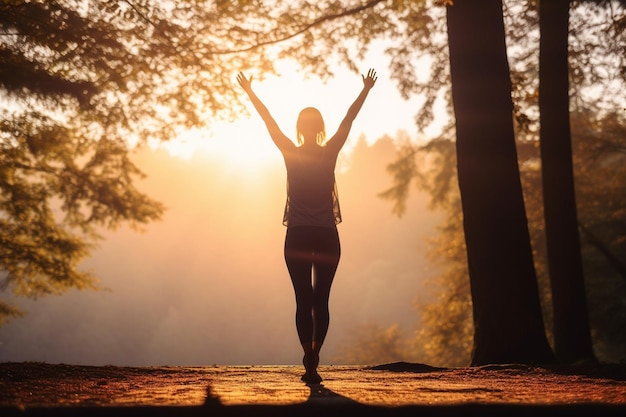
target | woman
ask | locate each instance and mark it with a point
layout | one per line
(312, 248)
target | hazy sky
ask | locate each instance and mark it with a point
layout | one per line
(208, 284)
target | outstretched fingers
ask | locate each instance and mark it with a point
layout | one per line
(243, 81)
(371, 78)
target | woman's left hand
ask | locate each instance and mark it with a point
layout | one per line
(370, 80)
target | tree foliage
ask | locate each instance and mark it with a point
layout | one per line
(64, 163)
(82, 83)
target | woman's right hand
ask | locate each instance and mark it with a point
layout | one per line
(244, 82)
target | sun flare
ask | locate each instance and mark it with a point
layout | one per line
(245, 143)
(242, 145)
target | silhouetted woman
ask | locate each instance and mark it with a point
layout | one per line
(312, 248)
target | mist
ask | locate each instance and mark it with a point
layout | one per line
(208, 284)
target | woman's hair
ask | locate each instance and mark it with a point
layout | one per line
(310, 123)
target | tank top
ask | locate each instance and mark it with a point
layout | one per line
(312, 198)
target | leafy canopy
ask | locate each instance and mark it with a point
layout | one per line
(82, 83)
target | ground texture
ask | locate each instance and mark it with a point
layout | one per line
(392, 389)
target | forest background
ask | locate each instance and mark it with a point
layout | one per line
(391, 305)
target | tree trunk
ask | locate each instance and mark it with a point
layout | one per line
(572, 336)
(507, 313)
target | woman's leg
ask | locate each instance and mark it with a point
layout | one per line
(324, 273)
(299, 263)
(299, 260)
(324, 267)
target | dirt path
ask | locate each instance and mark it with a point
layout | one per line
(26, 387)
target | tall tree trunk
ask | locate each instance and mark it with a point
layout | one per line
(572, 336)
(507, 313)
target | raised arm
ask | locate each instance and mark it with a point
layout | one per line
(279, 138)
(339, 138)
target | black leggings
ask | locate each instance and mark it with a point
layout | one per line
(312, 255)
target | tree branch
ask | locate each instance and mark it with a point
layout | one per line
(140, 14)
(261, 44)
(316, 22)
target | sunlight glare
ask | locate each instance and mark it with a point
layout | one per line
(245, 144)
(241, 145)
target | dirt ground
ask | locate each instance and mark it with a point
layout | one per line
(393, 389)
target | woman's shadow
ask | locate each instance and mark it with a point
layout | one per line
(320, 395)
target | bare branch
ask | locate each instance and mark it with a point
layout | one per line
(314, 23)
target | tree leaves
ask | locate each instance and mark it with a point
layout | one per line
(83, 83)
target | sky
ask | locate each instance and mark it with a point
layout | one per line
(207, 284)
